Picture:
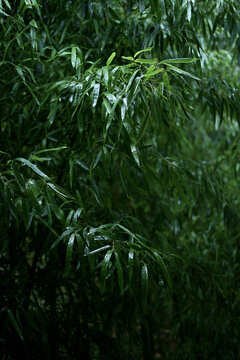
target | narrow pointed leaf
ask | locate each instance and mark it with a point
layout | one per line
(179, 61)
(104, 269)
(14, 323)
(131, 80)
(153, 73)
(119, 272)
(130, 58)
(51, 149)
(98, 250)
(34, 168)
(69, 253)
(146, 61)
(141, 51)
(110, 59)
(59, 190)
(135, 153)
(166, 82)
(164, 269)
(73, 56)
(95, 93)
(145, 285)
(180, 71)
(18, 176)
(143, 127)
(130, 263)
(52, 114)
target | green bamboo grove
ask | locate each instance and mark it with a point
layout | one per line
(119, 179)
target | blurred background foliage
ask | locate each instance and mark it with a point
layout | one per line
(119, 179)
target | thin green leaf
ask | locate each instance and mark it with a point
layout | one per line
(146, 61)
(130, 58)
(143, 127)
(34, 168)
(51, 149)
(95, 94)
(144, 285)
(135, 154)
(14, 323)
(179, 61)
(105, 75)
(166, 82)
(141, 51)
(32, 93)
(119, 272)
(180, 71)
(61, 237)
(107, 105)
(131, 81)
(153, 73)
(130, 263)
(164, 269)
(33, 23)
(104, 269)
(74, 56)
(7, 3)
(150, 69)
(69, 253)
(98, 250)
(110, 59)
(59, 190)
(33, 37)
(18, 176)
(53, 111)
(20, 73)
(127, 231)
(189, 11)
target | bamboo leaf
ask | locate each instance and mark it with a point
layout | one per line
(179, 61)
(34, 168)
(104, 269)
(135, 154)
(131, 81)
(145, 61)
(130, 263)
(143, 127)
(59, 190)
(33, 23)
(51, 150)
(163, 269)
(52, 113)
(166, 82)
(20, 73)
(153, 73)
(7, 3)
(14, 323)
(110, 59)
(141, 51)
(95, 94)
(98, 250)
(180, 71)
(127, 231)
(130, 58)
(105, 76)
(189, 11)
(145, 285)
(74, 56)
(18, 176)
(61, 237)
(119, 272)
(69, 253)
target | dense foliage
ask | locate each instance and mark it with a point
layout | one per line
(119, 179)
